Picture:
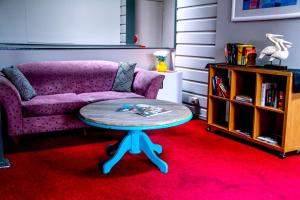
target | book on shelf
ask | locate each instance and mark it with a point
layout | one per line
(243, 52)
(144, 110)
(227, 111)
(271, 96)
(245, 133)
(268, 139)
(231, 52)
(220, 86)
(280, 103)
(244, 98)
(214, 88)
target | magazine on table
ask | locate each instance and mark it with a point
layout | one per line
(143, 109)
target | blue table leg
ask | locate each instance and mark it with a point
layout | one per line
(156, 147)
(4, 163)
(148, 148)
(135, 142)
(125, 146)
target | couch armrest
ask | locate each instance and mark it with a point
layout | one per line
(10, 101)
(147, 83)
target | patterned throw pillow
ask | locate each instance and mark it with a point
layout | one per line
(124, 78)
(20, 81)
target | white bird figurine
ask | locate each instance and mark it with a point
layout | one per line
(269, 50)
(283, 52)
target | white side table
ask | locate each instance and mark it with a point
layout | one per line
(172, 87)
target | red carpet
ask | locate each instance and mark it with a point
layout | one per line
(201, 166)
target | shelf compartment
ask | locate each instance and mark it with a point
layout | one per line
(221, 128)
(242, 118)
(271, 126)
(270, 109)
(215, 71)
(249, 139)
(218, 97)
(272, 146)
(219, 112)
(272, 91)
(216, 76)
(243, 83)
(242, 103)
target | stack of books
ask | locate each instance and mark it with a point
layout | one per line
(220, 86)
(268, 140)
(240, 54)
(245, 133)
(272, 96)
(244, 98)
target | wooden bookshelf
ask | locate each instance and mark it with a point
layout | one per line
(233, 117)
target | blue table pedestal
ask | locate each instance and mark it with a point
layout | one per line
(136, 141)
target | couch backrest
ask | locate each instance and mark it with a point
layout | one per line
(55, 77)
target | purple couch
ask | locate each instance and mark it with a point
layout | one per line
(63, 87)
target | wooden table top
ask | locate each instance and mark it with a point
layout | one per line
(105, 113)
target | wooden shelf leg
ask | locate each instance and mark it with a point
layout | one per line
(208, 129)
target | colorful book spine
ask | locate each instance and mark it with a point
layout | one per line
(240, 54)
(263, 94)
(269, 95)
(281, 100)
(219, 86)
(242, 51)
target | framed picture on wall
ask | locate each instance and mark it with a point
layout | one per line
(252, 10)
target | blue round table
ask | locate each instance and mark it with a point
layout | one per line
(104, 114)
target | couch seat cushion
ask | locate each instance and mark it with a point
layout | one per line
(52, 105)
(101, 96)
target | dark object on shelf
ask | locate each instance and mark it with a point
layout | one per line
(276, 67)
(251, 59)
(214, 85)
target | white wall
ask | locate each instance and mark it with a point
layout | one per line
(195, 38)
(149, 22)
(11, 12)
(60, 21)
(143, 57)
(168, 29)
